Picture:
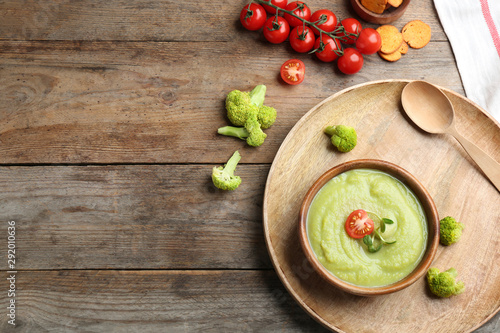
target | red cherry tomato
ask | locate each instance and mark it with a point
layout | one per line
(279, 3)
(352, 28)
(302, 39)
(350, 62)
(358, 224)
(326, 48)
(293, 71)
(276, 29)
(300, 9)
(253, 16)
(368, 41)
(328, 19)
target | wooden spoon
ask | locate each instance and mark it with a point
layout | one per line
(430, 109)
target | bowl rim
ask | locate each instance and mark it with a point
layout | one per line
(387, 16)
(418, 189)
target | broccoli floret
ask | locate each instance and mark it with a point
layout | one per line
(242, 105)
(239, 107)
(223, 177)
(443, 284)
(450, 230)
(256, 135)
(251, 133)
(343, 137)
(266, 116)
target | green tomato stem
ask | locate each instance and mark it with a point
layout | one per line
(331, 34)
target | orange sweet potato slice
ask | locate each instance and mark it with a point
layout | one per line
(395, 56)
(416, 33)
(391, 38)
(403, 48)
(376, 6)
(395, 3)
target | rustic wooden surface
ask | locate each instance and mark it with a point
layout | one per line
(109, 111)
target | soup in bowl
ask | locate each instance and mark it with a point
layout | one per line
(369, 227)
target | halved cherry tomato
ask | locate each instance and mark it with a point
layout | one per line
(253, 16)
(358, 224)
(280, 3)
(328, 19)
(351, 61)
(276, 29)
(352, 28)
(369, 41)
(300, 9)
(302, 39)
(293, 71)
(326, 48)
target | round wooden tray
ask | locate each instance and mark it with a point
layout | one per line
(458, 187)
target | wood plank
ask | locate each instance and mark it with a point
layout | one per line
(148, 20)
(153, 301)
(114, 102)
(133, 217)
(158, 301)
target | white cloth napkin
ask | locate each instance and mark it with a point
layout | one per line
(473, 29)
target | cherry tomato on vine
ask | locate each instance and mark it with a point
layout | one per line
(276, 29)
(293, 71)
(253, 16)
(280, 3)
(351, 61)
(326, 48)
(302, 39)
(324, 19)
(358, 224)
(368, 41)
(300, 9)
(352, 28)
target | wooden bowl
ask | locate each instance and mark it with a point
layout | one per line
(427, 204)
(389, 15)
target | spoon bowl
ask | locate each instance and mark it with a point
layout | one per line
(431, 110)
(435, 112)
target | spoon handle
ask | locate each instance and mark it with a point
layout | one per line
(490, 167)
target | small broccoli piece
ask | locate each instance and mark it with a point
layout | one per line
(450, 230)
(443, 284)
(223, 177)
(257, 136)
(251, 133)
(241, 106)
(343, 137)
(266, 116)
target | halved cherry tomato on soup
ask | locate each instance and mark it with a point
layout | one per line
(358, 224)
(292, 71)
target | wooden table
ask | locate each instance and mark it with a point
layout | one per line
(109, 111)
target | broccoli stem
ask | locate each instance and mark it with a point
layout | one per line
(238, 132)
(330, 130)
(231, 163)
(257, 95)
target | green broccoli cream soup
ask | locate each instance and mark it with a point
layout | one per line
(382, 196)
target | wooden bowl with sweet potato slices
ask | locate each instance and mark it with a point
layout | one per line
(380, 11)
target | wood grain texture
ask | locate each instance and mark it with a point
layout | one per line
(108, 118)
(456, 185)
(155, 301)
(109, 102)
(133, 217)
(150, 20)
